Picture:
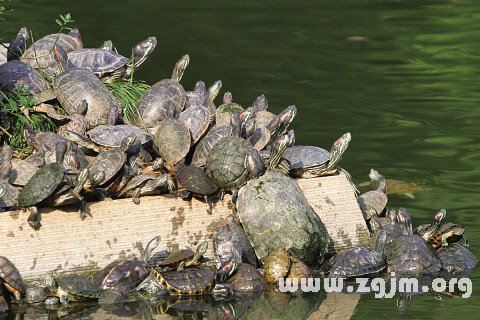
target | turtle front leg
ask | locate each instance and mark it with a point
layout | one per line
(34, 219)
(444, 240)
(136, 196)
(222, 291)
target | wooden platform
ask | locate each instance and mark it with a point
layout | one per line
(119, 228)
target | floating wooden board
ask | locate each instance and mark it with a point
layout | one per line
(119, 228)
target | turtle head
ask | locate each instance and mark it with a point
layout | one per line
(152, 244)
(455, 230)
(260, 104)
(158, 164)
(75, 33)
(439, 216)
(180, 67)
(227, 97)
(279, 146)
(141, 52)
(338, 148)
(18, 45)
(392, 215)
(212, 93)
(50, 282)
(405, 219)
(107, 45)
(374, 175)
(280, 123)
(128, 142)
(382, 186)
(227, 268)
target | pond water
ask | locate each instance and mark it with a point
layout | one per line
(406, 86)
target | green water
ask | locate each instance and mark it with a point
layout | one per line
(409, 95)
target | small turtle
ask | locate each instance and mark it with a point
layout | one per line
(123, 276)
(172, 141)
(195, 181)
(277, 264)
(165, 99)
(226, 110)
(36, 294)
(146, 184)
(245, 282)
(456, 258)
(183, 258)
(308, 162)
(410, 254)
(428, 230)
(40, 54)
(373, 203)
(11, 278)
(404, 188)
(110, 64)
(355, 262)
(446, 234)
(299, 270)
(231, 245)
(72, 287)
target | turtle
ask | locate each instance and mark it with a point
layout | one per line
(310, 161)
(164, 99)
(447, 233)
(231, 245)
(72, 287)
(206, 144)
(196, 97)
(104, 137)
(172, 140)
(17, 46)
(407, 189)
(109, 162)
(226, 110)
(191, 281)
(11, 278)
(233, 161)
(183, 258)
(43, 141)
(22, 171)
(428, 230)
(373, 203)
(392, 227)
(195, 181)
(245, 282)
(198, 118)
(410, 254)
(80, 91)
(146, 184)
(456, 258)
(273, 210)
(277, 264)
(5, 162)
(8, 196)
(36, 294)
(299, 270)
(359, 261)
(40, 54)
(124, 275)
(110, 64)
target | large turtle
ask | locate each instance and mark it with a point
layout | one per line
(164, 99)
(40, 54)
(124, 275)
(80, 91)
(108, 63)
(172, 140)
(410, 254)
(355, 262)
(273, 210)
(11, 278)
(309, 161)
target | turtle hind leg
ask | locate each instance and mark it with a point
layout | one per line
(34, 219)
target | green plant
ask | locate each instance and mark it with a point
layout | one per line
(128, 92)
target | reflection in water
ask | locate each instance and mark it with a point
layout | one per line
(409, 95)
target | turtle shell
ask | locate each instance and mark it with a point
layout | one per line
(226, 162)
(78, 286)
(14, 74)
(196, 98)
(273, 210)
(457, 258)
(10, 277)
(277, 264)
(355, 262)
(246, 280)
(195, 180)
(190, 281)
(207, 143)
(306, 159)
(393, 231)
(76, 86)
(224, 113)
(299, 270)
(412, 255)
(9, 199)
(42, 184)
(109, 162)
(260, 138)
(173, 259)
(22, 171)
(112, 135)
(98, 61)
(172, 140)
(196, 119)
(122, 276)
(163, 100)
(375, 199)
(35, 294)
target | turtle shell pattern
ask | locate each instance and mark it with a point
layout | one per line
(9, 199)
(196, 119)
(354, 262)
(206, 144)
(122, 276)
(113, 135)
(273, 210)
(10, 276)
(189, 282)
(457, 258)
(226, 162)
(78, 286)
(42, 184)
(14, 74)
(195, 180)
(172, 140)
(108, 161)
(246, 279)
(98, 61)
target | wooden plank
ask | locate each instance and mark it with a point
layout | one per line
(119, 228)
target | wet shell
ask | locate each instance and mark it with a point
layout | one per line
(247, 280)
(42, 184)
(190, 281)
(10, 277)
(277, 264)
(122, 276)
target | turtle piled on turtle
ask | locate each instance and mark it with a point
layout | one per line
(194, 181)
(246, 281)
(457, 259)
(273, 210)
(180, 259)
(373, 203)
(72, 287)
